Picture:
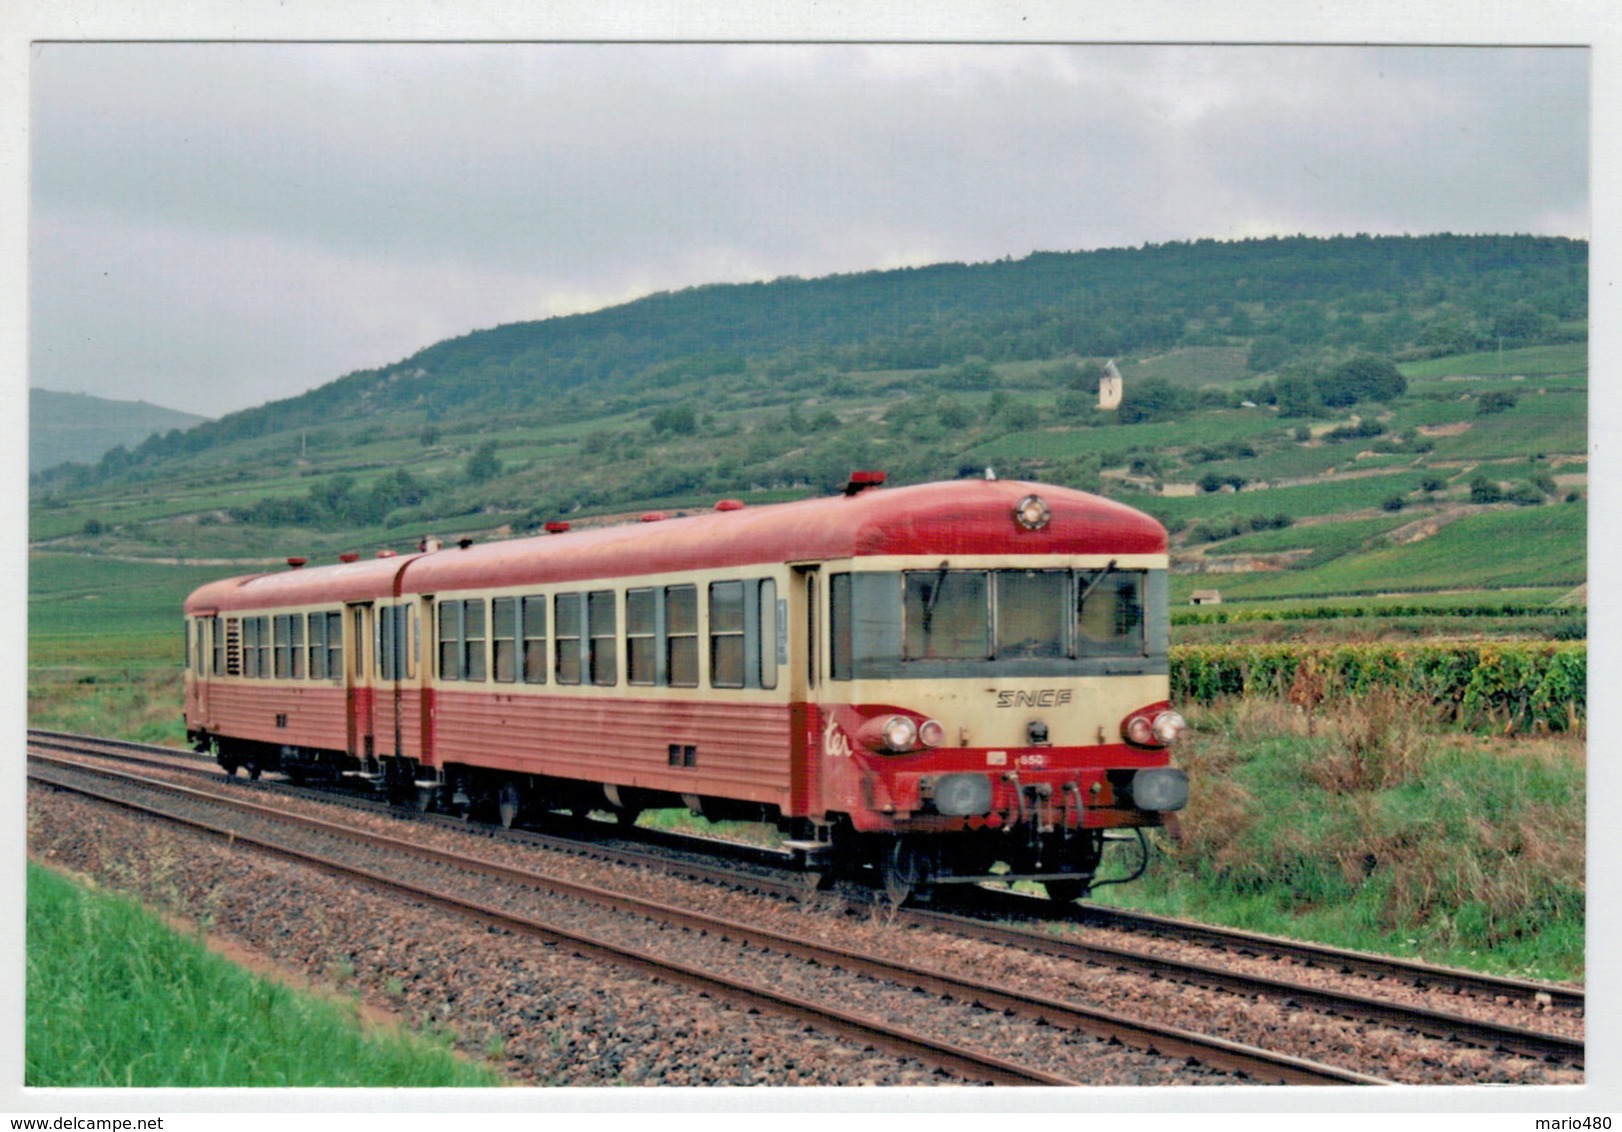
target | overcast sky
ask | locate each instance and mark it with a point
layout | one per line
(214, 226)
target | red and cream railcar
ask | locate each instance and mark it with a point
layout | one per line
(929, 680)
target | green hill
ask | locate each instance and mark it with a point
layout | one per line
(1269, 383)
(81, 428)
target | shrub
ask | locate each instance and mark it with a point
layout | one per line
(1510, 686)
(1484, 490)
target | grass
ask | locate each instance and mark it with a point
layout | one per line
(1531, 546)
(117, 999)
(1365, 826)
(1530, 360)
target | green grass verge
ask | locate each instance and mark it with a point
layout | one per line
(117, 999)
(1364, 827)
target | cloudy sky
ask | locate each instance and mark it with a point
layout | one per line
(217, 225)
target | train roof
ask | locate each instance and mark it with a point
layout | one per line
(953, 518)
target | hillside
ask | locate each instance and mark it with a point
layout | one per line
(81, 428)
(1293, 408)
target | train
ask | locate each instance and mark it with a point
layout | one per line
(920, 685)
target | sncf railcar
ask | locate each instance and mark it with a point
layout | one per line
(934, 683)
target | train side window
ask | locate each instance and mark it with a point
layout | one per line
(641, 643)
(318, 646)
(250, 646)
(233, 646)
(264, 647)
(450, 640)
(839, 627)
(534, 633)
(335, 645)
(566, 616)
(295, 645)
(220, 652)
(473, 658)
(681, 636)
(726, 634)
(602, 625)
(283, 667)
(504, 638)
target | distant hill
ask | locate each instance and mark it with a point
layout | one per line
(76, 427)
(1308, 417)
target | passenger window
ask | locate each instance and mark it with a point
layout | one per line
(473, 662)
(681, 636)
(504, 638)
(641, 652)
(250, 646)
(566, 616)
(450, 640)
(318, 646)
(335, 645)
(534, 632)
(726, 634)
(604, 629)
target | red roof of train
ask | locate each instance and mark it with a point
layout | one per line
(953, 518)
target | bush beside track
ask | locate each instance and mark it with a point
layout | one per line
(1513, 686)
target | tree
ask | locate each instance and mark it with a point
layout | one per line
(682, 419)
(1496, 402)
(484, 466)
(1365, 378)
(1151, 399)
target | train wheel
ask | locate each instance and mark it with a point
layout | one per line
(254, 769)
(1065, 891)
(627, 815)
(509, 800)
(905, 871)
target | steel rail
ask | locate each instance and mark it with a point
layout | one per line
(1338, 959)
(1149, 1037)
(958, 1059)
(1423, 1020)
(1439, 1024)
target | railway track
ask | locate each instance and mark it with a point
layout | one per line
(1447, 1026)
(1255, 1064)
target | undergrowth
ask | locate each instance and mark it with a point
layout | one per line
(1367, 824)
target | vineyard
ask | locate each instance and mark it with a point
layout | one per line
(1510, 686)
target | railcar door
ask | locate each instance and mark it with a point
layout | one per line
(805, 659)
(361, 692)
(203, 667)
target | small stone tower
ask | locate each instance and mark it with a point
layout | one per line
(1109, 387)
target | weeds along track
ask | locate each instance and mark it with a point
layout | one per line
(1028, 998)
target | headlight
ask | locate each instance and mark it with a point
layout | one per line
(1160, 788)
(1140, 731)
(931, 733)
(963, 795)
(1032, 513)
(900, 733)
(1169, 727)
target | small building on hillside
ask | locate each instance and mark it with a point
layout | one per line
(1205, 597)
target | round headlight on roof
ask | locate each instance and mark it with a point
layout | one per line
(1032, 513)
